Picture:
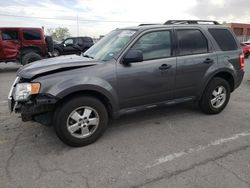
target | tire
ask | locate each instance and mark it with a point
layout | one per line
(49, 43)
(56, 53)
(67, 119)
(210, 101)
(30, 57)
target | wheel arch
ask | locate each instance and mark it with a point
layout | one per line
(228, 77)
(107, 100)
(58, 48)
(225, 74)
(28, 49)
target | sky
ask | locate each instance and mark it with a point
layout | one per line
(98, 17)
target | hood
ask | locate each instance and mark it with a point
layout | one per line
(57, 64)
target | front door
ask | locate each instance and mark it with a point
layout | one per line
(10, 44)
(151, 80)
(69, 46)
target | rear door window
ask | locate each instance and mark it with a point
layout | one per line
(87, 39)
(31, 35)
(191, 41)
(224, 39)
(79, 41)
(9, 34)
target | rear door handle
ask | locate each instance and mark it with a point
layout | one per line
(208, 61)
(165, 67)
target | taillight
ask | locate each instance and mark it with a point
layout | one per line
(242, 61)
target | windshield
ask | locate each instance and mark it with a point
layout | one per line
(110, 45)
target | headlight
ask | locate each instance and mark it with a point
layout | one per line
(24, 90)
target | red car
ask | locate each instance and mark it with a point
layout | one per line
(23, 45)
(246, 49)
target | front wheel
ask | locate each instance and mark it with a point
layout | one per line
(215, 97)
(56, 53)
(80, 121)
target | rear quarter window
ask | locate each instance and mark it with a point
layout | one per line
(224, 39)
(31, 35)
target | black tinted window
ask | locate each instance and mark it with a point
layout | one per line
(191, 41)
(224, 39)
(31, 35)
(9, 34)
(154, 45)
(79, 41)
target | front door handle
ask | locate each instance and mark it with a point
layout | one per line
(208, 61)
(165, 67)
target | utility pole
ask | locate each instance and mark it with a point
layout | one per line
(77, 20)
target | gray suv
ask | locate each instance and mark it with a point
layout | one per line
(129, 70)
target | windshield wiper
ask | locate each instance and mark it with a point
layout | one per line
(85, 55)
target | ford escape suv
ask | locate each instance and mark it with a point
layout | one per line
(128, 70)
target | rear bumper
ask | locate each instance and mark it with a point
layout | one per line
(239, 78)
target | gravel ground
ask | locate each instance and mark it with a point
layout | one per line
(169, 147)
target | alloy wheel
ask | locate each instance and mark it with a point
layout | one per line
(83, 122)
(218, 97)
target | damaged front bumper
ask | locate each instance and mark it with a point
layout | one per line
(38, 108)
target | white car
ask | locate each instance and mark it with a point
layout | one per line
(247, 42)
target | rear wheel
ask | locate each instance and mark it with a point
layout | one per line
(216, 96)
(80, 121)
(30, 57)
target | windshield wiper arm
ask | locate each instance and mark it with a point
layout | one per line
(85, 55)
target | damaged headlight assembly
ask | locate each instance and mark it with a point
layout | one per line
(24, 90)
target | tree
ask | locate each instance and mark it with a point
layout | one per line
(59, 33)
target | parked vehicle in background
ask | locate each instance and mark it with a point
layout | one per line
(73, 45)
(246, 49)
(129, 70)
(23, 45)
(247, 42)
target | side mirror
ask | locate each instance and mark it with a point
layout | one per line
(64, 45)
(133, 56)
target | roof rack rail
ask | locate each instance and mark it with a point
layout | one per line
(147, 24)
(169, 22)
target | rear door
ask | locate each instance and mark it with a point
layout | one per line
(9, 44)
(88, 42)
(194, 58)
(35, 38)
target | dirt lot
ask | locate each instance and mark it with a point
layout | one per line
(171, 147)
